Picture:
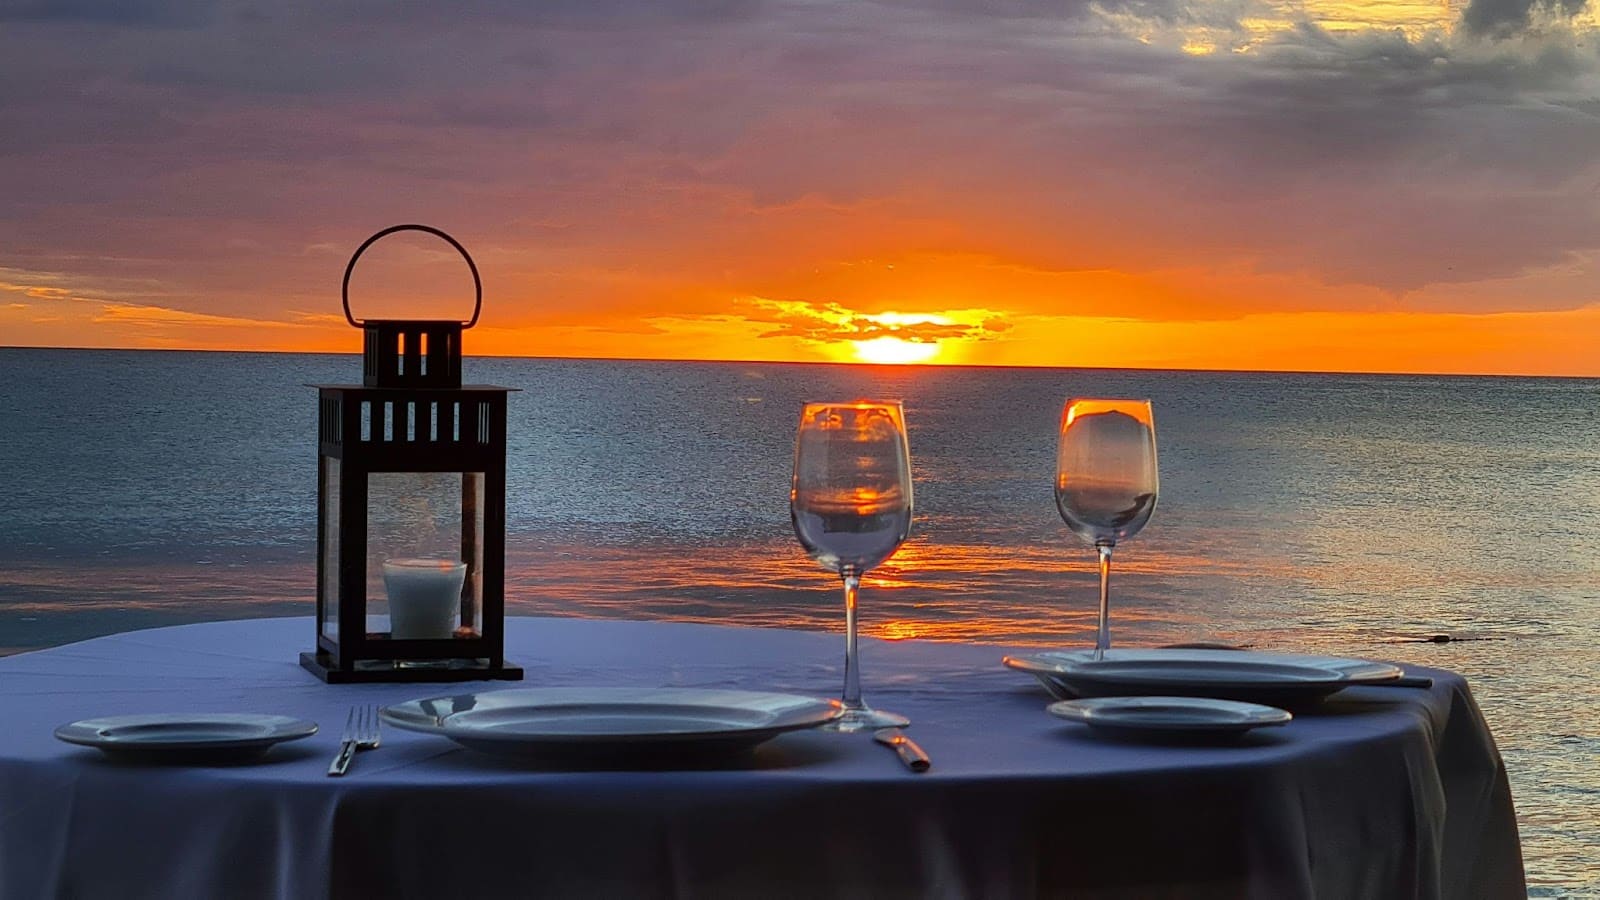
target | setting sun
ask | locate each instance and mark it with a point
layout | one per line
(893, 350)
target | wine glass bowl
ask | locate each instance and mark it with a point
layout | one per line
(850, 503)
(851, 496)
(1106, 480)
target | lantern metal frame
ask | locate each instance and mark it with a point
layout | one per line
(410, 414)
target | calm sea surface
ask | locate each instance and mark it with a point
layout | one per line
(1344, 514)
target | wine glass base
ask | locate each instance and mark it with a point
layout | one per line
(865, 719)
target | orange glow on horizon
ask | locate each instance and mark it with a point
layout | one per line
(894, 351)
(1182, 321)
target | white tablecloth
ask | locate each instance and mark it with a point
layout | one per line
(1384, 792)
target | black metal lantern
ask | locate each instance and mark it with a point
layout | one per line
(411, 493)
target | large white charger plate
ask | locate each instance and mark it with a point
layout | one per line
(1169, 718)
(186, 737)
(609, 722)
(1249, 676)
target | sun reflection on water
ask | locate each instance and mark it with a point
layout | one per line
(979, 593)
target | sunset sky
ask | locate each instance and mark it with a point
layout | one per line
(1311, 185)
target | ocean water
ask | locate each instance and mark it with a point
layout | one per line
(1348, 514)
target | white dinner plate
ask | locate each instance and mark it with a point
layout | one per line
(595, 722)
(186, 737)
(1164, 718)
(1277, 679)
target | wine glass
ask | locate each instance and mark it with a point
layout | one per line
(850, 503)
(1106, 480)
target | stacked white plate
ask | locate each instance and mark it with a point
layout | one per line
(1248, 676)
(1189, 693)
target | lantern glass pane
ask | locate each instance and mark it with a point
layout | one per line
(472, 484)
(424, 554)
(329, 492)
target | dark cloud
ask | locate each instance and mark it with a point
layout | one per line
(1028, 10)
(1503, 18)
(1370, 159)
(137, 13)
(383, 13)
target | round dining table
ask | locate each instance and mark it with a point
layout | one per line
(1376, 792)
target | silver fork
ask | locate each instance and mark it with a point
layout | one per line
(360, 733)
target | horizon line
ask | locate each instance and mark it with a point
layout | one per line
(859, 364)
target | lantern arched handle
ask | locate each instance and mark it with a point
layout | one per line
(477, 283)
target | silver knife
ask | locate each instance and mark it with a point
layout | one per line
(347, 752)
(1410, 681)
(906, 748)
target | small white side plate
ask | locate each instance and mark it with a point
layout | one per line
(179, 737)
(1167, 717)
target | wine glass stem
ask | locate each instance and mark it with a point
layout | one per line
(1102, 639)
(852, 671)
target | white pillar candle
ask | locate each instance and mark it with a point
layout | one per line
(424, 597)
